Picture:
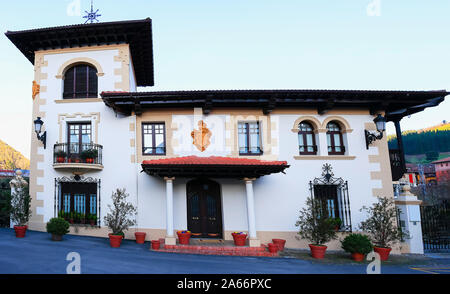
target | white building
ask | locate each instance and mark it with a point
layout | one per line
(214, 162)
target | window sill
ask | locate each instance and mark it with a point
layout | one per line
(78, 166)
(328, 157)
(78, 100)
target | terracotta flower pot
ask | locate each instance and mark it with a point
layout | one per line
(140, 237)
(280, 243)
(60, 160)
(57, 237)
(20, 231)
(383, 252)
(317, 251)
(357, 256)
(183, 238)
(156, 244)
(115, 240)
(273, 248)
(239, 239)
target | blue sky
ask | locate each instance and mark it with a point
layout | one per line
(255, 44)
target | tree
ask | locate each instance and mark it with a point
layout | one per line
(118, 219)
(314, 223)
(20, 209)
(382, 223)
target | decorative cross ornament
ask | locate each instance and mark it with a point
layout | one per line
(92, 16)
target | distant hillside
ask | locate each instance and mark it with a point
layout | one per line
(12, 159)
(425, 145)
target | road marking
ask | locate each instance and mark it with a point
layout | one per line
(431, 270)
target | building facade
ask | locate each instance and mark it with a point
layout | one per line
(212, 162)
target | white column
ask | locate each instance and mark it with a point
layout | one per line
(170, 238)
(253, 238)
(410, 219)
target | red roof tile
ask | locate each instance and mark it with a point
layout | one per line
(212, 160)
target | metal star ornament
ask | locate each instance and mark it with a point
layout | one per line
(92, 16)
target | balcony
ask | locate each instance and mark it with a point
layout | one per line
(77, 157)
(397, 164)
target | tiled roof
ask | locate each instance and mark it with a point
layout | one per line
(213, 160)
(447, 159)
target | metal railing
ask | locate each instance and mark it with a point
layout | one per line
(77, 153)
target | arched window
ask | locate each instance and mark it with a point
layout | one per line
(334, 139)
(80, 81)
(306, 139)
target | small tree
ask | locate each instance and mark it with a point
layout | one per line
(314, 223)
(118, 219)
(382, 223)
(20, 209)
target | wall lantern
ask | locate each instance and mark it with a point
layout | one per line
(380, 122)
(37, 127)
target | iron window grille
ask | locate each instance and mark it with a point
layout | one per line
(333, 194)
(78, 200)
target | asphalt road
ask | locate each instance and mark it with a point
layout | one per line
(37, 254)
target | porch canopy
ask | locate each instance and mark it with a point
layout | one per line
(212, 167)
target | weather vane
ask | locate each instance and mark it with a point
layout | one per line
(92, 16)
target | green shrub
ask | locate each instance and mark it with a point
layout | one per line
(58, 226)
(357, 243)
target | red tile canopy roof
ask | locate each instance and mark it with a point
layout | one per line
(213, 166)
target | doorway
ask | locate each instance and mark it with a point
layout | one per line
(204, 209)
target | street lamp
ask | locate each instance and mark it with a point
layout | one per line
(380, 123)
(38, 127)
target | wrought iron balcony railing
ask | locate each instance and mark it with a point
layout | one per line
(77, 153)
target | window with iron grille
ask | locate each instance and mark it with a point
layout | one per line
(306, 139)
(78, 201)
(335, 139)
(333, 194)
(153, 139)
(249, 138)
(80, 81)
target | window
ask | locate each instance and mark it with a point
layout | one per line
(249, 138)
(79, 137)
(80, 81)
(154, 139)
(306, 139)
(78, 201)
(334, 139)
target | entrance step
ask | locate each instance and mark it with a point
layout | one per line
(218, 250)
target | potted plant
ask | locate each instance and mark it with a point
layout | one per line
(89, 155)
(71, 217)
(57, 227)
(140, 237)
(314, 225)
(92, 219)
(337, 222)
(280, 243)
(382, 226)
(183, 237)
(119, 219)
(19, 209)
(60, 156)
(239, 238)
(156, 244)
(82, 218)
(358, 245)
